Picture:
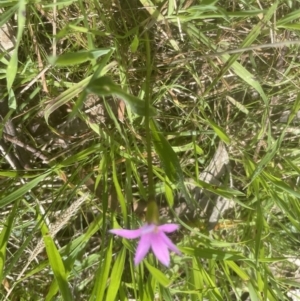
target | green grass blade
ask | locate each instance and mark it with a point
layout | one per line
(213, 254)
(116, 275)
(57, 265)
(65, 97)
(75, 58)
(101, 278)
(157, 274)
(240, 272)
(12, 67)
(166, 154)
(218, 130)
(120, 195)
(24, 189)
(5, 16)
(295, 15)
(4, 237)
(169, 160)
(104, 86)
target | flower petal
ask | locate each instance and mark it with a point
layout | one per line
(168, 242)
(142, 248)
(168, 228)
(148, 228)
(160, 248)
(129, 234)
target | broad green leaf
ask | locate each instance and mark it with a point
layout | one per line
(158, 275)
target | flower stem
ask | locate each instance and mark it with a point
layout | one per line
(151, 191)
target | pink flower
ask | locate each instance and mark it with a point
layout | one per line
(151, 236)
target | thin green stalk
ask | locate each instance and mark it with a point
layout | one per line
(151, 191)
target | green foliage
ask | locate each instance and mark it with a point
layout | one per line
(186, 76)
(103, 86)
(75, 58)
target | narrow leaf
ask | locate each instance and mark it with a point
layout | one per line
(219, 131)
(102, 275)
(13, 63)
(243, 275)
(104, 86)
(4, 236)
(166, 154)
(116, 275)
(70, 58)
(158, 275)
(65, 97)
(22, 190)
(134, 44)
(169, 160)
(57, 265)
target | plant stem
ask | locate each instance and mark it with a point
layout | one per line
(151, 191)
